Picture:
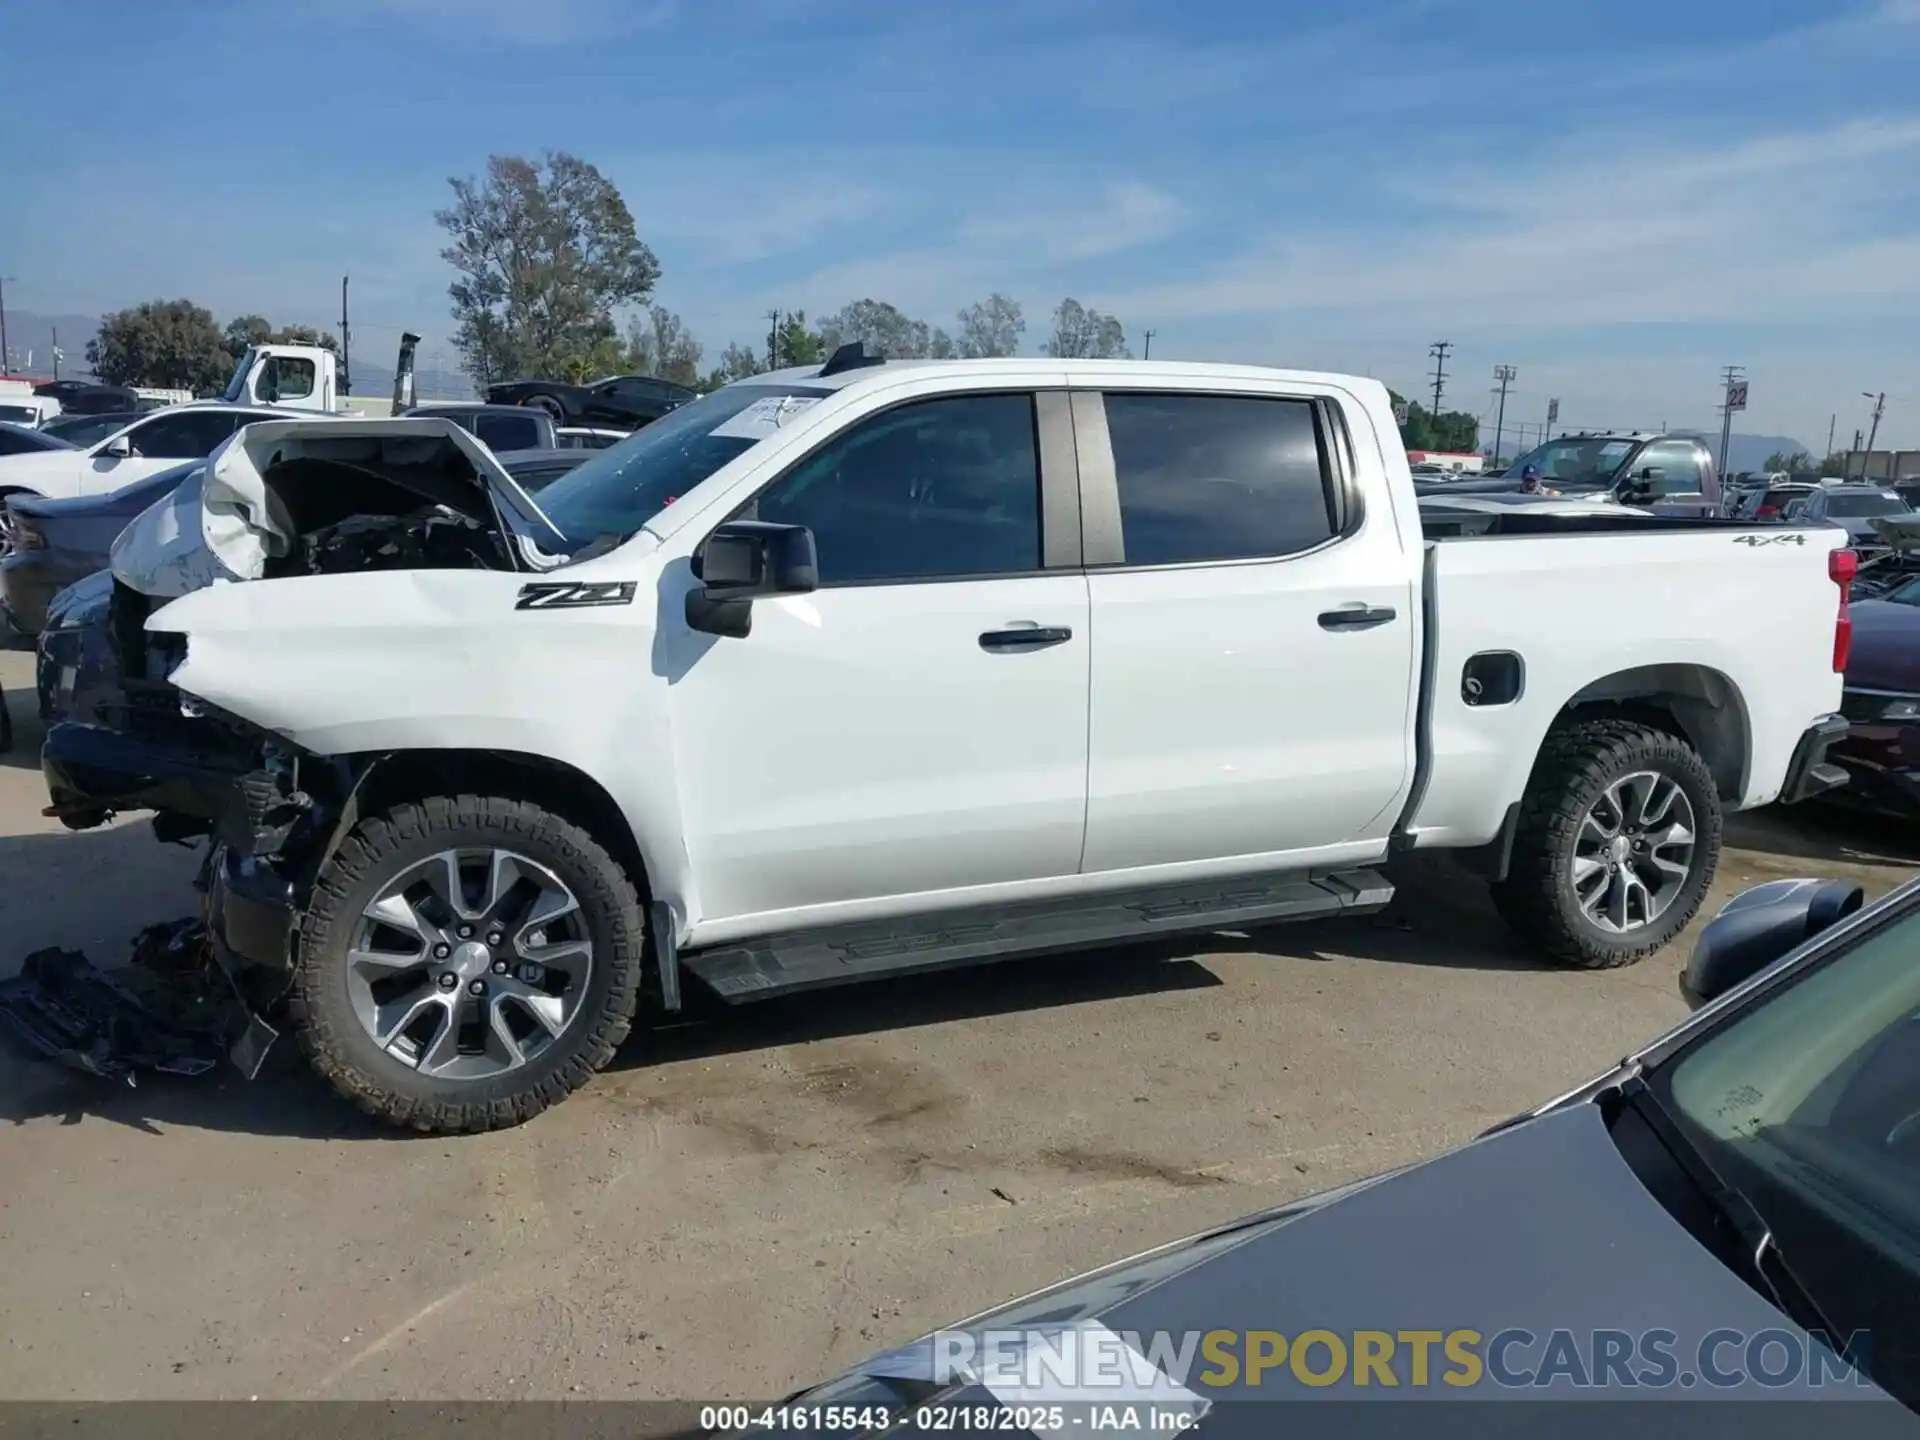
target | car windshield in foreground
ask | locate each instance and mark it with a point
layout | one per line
(1856, 507)
(1807, 1102)
(619, 489)
(1587, 463)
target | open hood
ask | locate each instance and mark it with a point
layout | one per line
(263, 491)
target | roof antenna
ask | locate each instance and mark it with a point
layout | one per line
(850, 356)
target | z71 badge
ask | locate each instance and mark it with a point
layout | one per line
(574, 595)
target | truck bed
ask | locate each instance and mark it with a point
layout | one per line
(1741, 615)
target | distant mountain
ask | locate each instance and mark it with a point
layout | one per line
(1749, 452)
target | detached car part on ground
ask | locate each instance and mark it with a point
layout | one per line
(1729, 1214)
(481, 782)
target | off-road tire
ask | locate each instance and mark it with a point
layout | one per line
(1576, 764)
(339, 1048)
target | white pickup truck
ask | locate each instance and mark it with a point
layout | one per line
(867, 668)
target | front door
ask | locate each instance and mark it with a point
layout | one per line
(1253, 655)
(159, 443)
(918, 723)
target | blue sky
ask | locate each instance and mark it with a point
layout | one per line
(1618, 198)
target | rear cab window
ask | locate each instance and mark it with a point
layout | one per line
(1220, 477)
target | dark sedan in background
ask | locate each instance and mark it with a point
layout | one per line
(623, 402)
(56, 542)
(1881, 753)
(20, 440)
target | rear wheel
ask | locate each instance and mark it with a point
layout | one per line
(548, 404)
(467, 962)
(1618, 840)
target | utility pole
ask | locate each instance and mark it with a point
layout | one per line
(1734, 378)
(56, 352)
(1879, 408)
(1438, 350)
(5, 364)
(773, 339)
(1147, 354)
(346, 343)
(1506, 375)
(1831, 421)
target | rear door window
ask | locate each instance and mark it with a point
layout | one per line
(1219, 477)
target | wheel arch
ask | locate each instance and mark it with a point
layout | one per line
(1694, 703)
(393, 777)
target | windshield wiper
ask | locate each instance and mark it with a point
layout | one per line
(1733, 1207)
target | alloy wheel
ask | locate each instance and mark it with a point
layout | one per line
(1633, 852)
(469, 963)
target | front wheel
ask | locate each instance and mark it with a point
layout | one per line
(1618, 840)
(465, 962)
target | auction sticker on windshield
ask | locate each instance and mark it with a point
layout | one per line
(764, 417)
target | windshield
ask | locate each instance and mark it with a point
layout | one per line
(83, 430)
(1807, 1101)
(619, 489)
(1588, 463)
(1854, 507)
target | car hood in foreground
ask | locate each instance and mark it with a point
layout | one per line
(1539, 1228)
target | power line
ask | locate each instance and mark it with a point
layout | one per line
(1879, 408)
(1506, 375)
(1438, 350)
(6, 363)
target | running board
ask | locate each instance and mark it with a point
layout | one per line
(808, 960)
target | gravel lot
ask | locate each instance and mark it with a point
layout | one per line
(753, 1199)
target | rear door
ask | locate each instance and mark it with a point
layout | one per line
(1254, 631)
(919, 722)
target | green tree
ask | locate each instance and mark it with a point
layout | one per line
(544, 252)
(990, 327)
(737, 362)
(245, 330)
(1456, 431)
(1794, 461)
(1083, 333)
(168, 344)
(659, 343)
(794, 343)
(885, 330)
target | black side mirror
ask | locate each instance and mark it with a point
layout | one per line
(744, 559)
(1760, 925)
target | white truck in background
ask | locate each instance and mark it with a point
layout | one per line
(307, 377)
(864, 669)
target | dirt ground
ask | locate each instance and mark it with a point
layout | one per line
(750, 1200)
